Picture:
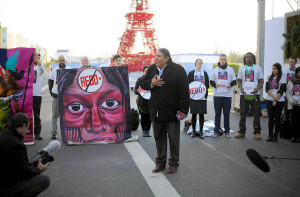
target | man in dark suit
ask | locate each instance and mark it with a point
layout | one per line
(169, 97)
(18, 178)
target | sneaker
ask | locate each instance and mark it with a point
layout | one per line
(215, 135)
(239, 135)
(54, 136)
(257, 136)
(38, 137)
(228, 135)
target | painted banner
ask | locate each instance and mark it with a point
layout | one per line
(16, 71)
(94, 105)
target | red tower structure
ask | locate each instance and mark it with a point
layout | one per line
(139, 19)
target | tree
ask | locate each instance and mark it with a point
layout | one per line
(235, 57)
(47, 65)
(234, 66)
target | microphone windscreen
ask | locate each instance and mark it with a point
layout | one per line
(52, 146)
(258, 160)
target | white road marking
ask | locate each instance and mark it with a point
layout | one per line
(157, 182)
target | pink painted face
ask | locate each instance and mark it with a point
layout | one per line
(96, 114)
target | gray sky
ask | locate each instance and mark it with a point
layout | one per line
(92, 27)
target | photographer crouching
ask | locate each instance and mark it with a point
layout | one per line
(17, 177)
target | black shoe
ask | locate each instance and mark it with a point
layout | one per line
(293, 139)
(38, 137)
(275, 138)
(193, 134)
(54, 136)
(201, 135)
(270, 138)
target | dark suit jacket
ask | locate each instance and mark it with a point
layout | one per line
(14, 163)
(169, 98)
(191, 78)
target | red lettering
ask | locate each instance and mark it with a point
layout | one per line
(82, 82)
(92, 82)
(96, 79)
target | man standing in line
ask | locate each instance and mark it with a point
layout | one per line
(85, 62)
(169, 97)
(52, 82)
(288, 74)
(37, 95)
(222, 79)
(250, 80)
(18, 177)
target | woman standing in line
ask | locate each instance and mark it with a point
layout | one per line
(293, 97)
(198, 106)
(275, 87)
(143, 106)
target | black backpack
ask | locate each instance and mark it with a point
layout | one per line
(285, 128)
(134, 117)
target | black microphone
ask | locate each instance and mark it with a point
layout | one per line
(261, 161)
(45, 154)
(258, 160)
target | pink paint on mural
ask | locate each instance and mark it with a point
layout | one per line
(16, 85)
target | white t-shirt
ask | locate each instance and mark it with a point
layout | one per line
(288, 74)
(223, 77)
(274, 87)
(37, 79)
(53, 77)
(254, 75)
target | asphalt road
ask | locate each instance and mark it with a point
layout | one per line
(208, 167)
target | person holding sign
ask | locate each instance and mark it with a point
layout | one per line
(169, 98)
(275, 87)
(250, 81)
(143, 106)
(222, 79)
(198, 105)
(288, 74)
(52, 83)
(293, 97)
(38, 72)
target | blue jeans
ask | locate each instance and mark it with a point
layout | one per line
(219, 104)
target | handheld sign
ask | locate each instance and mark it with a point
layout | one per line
(146, 94)
(223, 85)
(90, 80)
(197, 90)
(249, 87)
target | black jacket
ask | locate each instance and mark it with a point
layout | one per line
(139, 100)
(169, 98)
(191, 78)
(14, 163)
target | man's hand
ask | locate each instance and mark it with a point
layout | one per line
(274, 103)
(295, 103)
(43, 167)
(228, 86)
(183, 115)
(138, 90)
(157, 82)
(254, 92)
(217, 85)
(242, 91)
